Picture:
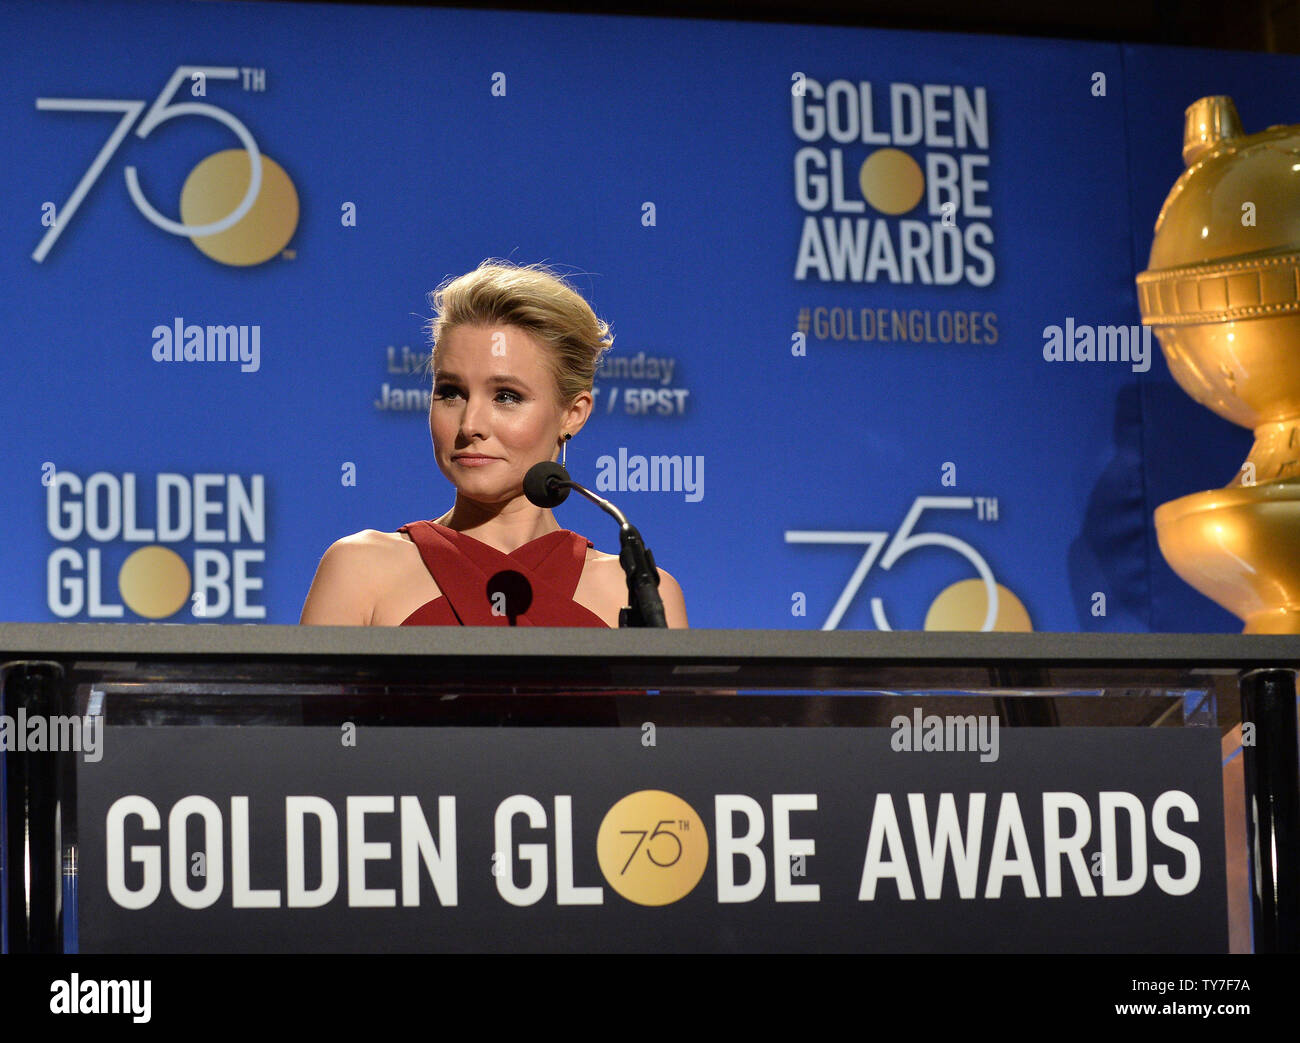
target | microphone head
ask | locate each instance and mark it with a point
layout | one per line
(542, 484)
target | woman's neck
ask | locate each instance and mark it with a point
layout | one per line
(507, 529)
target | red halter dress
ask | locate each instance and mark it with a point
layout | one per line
(481, 587)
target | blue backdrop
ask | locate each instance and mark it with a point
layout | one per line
(828, 256)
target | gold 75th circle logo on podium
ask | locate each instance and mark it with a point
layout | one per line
(652, 847)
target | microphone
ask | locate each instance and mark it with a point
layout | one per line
(542, 484)
(547, 485)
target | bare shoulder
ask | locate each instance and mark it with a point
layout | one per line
(350, 575)
(375, 539)
(673, 598)
(386, 555)
(372, 548)
(605, 570)
(612, 584)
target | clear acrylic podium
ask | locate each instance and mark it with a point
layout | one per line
(280, 788)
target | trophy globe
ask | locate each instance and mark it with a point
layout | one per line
(1222, 292)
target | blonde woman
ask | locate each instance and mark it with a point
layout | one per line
(515, 351)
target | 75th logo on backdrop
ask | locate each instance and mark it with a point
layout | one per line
(238, 206)
(974, 604)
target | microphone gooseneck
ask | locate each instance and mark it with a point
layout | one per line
(547, 485)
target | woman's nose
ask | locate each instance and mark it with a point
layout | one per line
(473, 421)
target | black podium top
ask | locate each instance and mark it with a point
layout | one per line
(664, 658)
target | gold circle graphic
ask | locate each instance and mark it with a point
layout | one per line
(215, 188)
(891, 181)
(154, 582)
(964, 605)
(652, 847)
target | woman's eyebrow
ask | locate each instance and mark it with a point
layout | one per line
(447, 375)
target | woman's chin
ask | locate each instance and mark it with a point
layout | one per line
(488, 494)
(474, 483)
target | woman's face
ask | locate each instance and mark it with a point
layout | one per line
(493, 413)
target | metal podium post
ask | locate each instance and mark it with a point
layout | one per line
(1268, 700)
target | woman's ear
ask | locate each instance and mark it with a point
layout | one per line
(578, 412)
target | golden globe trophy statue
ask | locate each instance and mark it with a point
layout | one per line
(1222, 291)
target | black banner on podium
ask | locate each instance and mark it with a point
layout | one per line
(377, 839)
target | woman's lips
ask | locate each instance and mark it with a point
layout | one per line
(474, 461)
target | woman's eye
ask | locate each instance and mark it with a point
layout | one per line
(446, 391)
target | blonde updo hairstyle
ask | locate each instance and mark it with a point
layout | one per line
(535, 299)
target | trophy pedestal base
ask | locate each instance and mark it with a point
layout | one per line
(1240, 547)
